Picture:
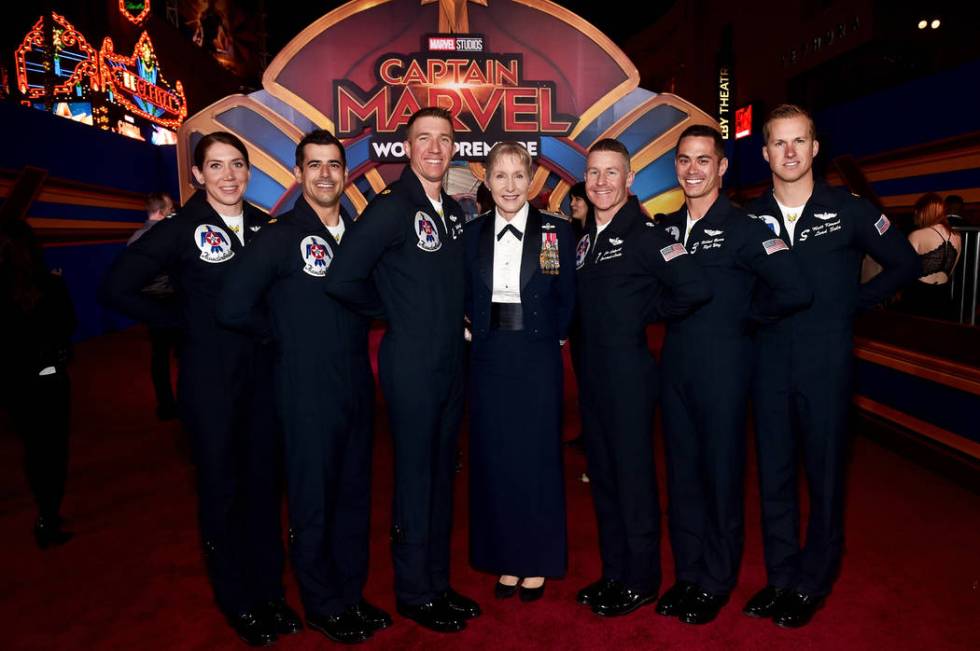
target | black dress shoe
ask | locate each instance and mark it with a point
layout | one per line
(372, 616)
(796, 609)
(590, 594)
(670, 604)
(433, 615)
(253, 630)
(344, 628)
(701, 607)
(462, 606)
(531, 594)
(615, 603)
(280, 617)
(501, 591)
(48, 533)
(763, 603)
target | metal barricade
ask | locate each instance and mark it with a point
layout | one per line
(965, 276)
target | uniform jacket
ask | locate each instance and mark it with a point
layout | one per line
(631, 275)
(547, 301)
(834, 232)
(284, 268)
(196, 250)
(401, 252)
(754, 276)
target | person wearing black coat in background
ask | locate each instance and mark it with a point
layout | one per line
(35, 338)
(225, 393)
(520, 293)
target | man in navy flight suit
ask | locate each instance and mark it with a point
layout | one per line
(407, 249)
(324, 389)
(629, 274)
(707, 368)
(802, 388)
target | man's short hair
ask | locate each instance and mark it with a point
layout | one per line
(611, 144)
(509, 148)
(319, 137)
(784, 111)
(158, 201)
(704, 131)
(431, 112)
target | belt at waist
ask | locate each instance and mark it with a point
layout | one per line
(506, 316)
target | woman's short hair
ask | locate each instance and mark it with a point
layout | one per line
(509, 148)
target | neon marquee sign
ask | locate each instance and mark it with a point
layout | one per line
(135, 82)
(73, 60)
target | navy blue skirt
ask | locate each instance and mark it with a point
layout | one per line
(517, 496)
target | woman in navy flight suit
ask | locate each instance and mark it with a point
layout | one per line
(520, 288)
(224, 387)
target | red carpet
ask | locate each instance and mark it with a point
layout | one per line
(133, 576)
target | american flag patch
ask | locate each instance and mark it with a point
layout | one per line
(672, 251)
(774, 245)
(882, 225)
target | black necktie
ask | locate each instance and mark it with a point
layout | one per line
(510, 227)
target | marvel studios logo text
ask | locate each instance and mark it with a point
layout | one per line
(456, 44)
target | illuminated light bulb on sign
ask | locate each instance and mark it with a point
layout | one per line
(923, 24)
(935, 23)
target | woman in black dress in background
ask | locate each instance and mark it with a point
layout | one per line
(520, 281)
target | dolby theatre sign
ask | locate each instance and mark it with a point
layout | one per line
(524, 70)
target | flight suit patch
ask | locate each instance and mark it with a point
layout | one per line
(673, 251)
(582, 250)
(774, 245)
(213, 242)
(427, 232)
(882, 225)
(771, 222)
(316, 254)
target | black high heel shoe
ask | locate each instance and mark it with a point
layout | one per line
(502, 591)
(532, 594)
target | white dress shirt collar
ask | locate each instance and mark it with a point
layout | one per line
(518, 221)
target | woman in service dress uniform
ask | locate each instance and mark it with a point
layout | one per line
(520, 287)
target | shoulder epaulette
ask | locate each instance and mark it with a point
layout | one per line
(556, 215)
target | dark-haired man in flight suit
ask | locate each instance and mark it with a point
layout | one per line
(707, 367)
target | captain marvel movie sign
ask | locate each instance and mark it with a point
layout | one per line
(488, 95)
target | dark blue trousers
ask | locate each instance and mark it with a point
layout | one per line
(226, 403)
(802, 393)
(425, 406)
(705, 393)
(618, 393)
